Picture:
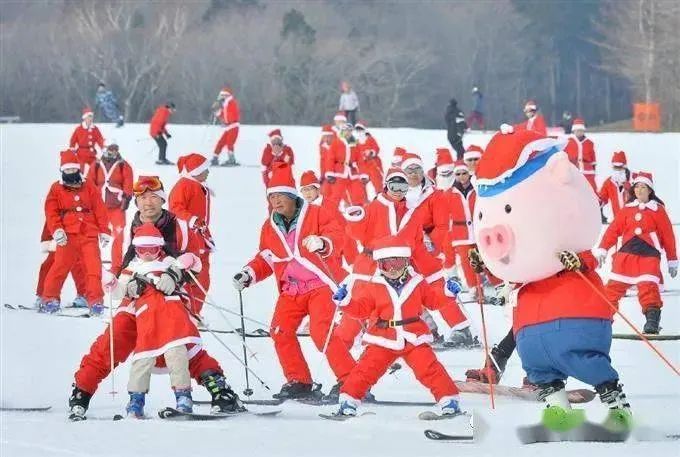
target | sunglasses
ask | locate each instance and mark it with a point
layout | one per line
(147, 183)
(148, 251)
(396, 186)
(393, 263)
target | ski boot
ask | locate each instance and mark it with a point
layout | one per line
(164, 162)
(348, 406)
(526, 384)
(495, 370)
(50, 307)
(79, 302)
(620, 417)
(295, 390)
(333, 396)
(78, 403)
(462, 339)
(135, 408)
(449, 406)
(96, 310)
(38, 303)
(185, 403)
(214, 162)
(653, 316)
(231, 161)
(224, 400)
(558, 415)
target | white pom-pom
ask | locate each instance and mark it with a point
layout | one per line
(507, 128)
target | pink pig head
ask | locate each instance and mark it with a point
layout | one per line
(532, 203)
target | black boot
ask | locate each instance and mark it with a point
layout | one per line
(620, 417)
(78, 403)
(224, 400)
(462, 339)
(296, 390)
(332, 396)
(493, 369)
(653, 319)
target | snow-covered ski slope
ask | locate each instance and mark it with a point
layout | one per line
(40, 353)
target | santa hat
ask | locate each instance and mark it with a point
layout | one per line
(444, 159)
(281, 180)
(340, 116)
(578, 124)
(274, 134)
(360, 125)
(644, 177)
(308, 178)
(530, 105)
(87, 111)
(619, 159)
(411, 159)
(327, 129)
(473, 152)
(395, 172)
(390, 246)
(69, 159)
(460, 166)
(510, 158)
(398, 156)
(148, 235)
(141, 179)
(192, 164)
(225, 91)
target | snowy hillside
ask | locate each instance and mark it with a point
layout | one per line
(40, 353)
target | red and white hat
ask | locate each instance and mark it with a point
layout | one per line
(148, 234)
(361, 124)
(530, 105)
(192, 164)
(281, 180)
(340, 116)
(309, 178)
(644, 177)
(327, 129)
(444, 159)
(619, 159)
(398, 156)
(394, 172)
(274, 134)
(410, 160)
(473, 152)
(578, 124)
(68, 159)
(87, 111)
(225, 91)
(390, 246)
(460, 166)
(510, 158)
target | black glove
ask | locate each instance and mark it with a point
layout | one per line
(331, 179)
(125, 204)
(570, 260)
(476, 261)
(167, 135)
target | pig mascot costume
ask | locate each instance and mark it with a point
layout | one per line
(536, 220)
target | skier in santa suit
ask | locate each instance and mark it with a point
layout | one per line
(471, 157)
(339, 122)
(95, 365)
(190, 199)
(150, 284)
(275, 151)
(76, 218)
(327, 136)
(113, 176)
(392, 300)
(158, 129)
(615, 189)
(646, 230)
(227, 111)
(368, 156)
(358, 178)
(581, 152)
(534, 122)
(338, 165)
(87, 141)
(298, 245)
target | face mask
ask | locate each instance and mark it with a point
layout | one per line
(71, 178)
(619, 176)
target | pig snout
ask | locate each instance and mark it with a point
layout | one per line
(497, 242)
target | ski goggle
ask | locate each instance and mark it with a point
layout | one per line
(412, 169)
(148, 251)
(397, 186)
(393, 263)
(147, 183)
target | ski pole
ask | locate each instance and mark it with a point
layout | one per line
(630, 324)
(248, 391)
(109, 302)
(327, 271)
(229, 311)
(480, 301)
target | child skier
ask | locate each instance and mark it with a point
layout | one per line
(393, 299)
(164, 328)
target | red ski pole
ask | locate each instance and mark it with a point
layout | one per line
(480, 301)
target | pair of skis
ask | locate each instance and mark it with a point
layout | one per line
(85, 314)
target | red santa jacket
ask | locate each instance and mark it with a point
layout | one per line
(274, 254)
(536, 123)
(269, 159)
(190, 200)
(114, 180)
(368, 154)
(615, 195)
(582, 154)
(324, 160)
(159, 121)
(338, 159)
(77, 210)
(564, 295)
(87, 142)
(376, 299)
(462, 208)
(229, 113)
(434, 211)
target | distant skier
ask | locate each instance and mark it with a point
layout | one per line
(455, 127)
(535, 121)
(105, 100)
(349, 102)
(87, 141)
(275, 151)
(477, 114)
(227, 111)
(159, 132)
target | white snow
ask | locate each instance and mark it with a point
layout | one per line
(40, 353)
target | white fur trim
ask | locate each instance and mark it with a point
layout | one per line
(578, 127)
(634, 279)
(394, 174)
(148, 241)
(69, 165)
(461, 167)
(162, 350)
(644, 180)
(600, 252)
(396, 251)
(412, 161)
(673, 263)
(350, 218)
(281, 189)
(434, 277)
(340, 117)
(200, 169)
(328, 246)
(472, 155)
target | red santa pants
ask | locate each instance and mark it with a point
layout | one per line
(77, 273)
(648, 293)
(65, 257)
(347, 330)
(288, 314)
(96, 365)
(375, 174)
(227, 140)
(196, 295)
(338, 191)
(349, 249)
(356, 190)
(117, 219)
(375, 361)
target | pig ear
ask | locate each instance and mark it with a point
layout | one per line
(560, 168)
